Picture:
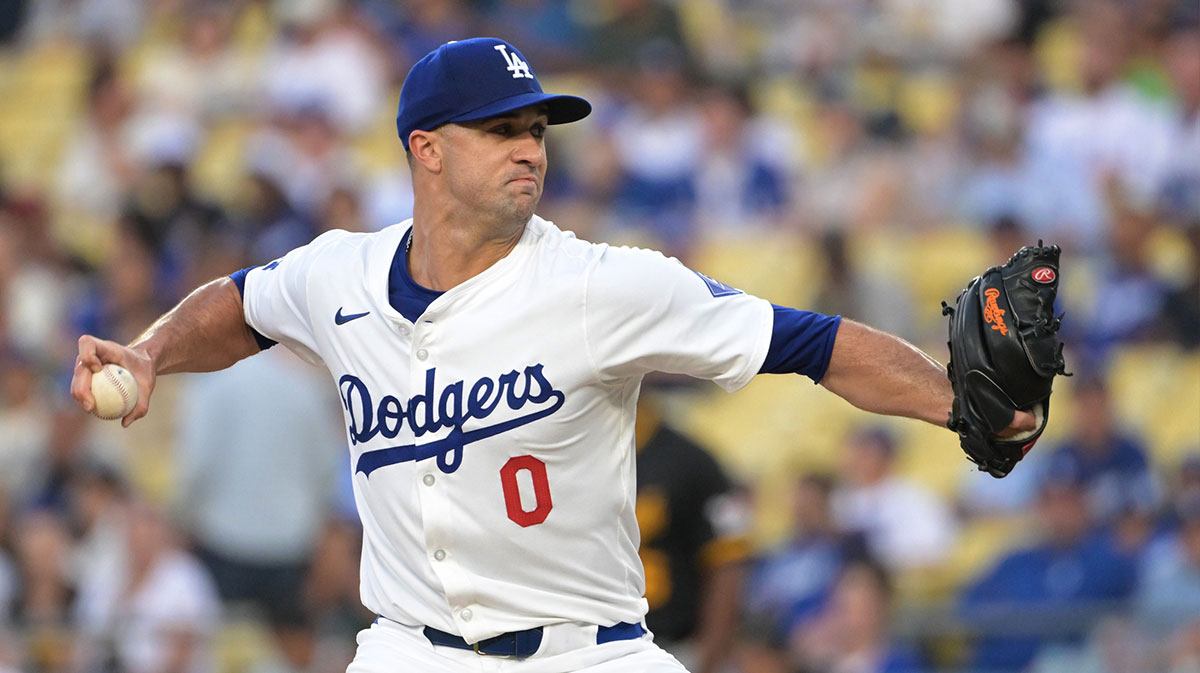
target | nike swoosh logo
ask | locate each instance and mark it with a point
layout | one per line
(343, 319)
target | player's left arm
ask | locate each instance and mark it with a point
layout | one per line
(885, 374)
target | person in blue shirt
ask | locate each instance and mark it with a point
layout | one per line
(1112, 461)
(853, 632)
(1053, 590)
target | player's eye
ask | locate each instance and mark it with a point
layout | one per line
(538, 130)
(502, 129)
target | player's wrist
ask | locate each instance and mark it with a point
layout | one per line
(146, 354)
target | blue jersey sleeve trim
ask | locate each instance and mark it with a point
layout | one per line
(801, 343)
(239, 279)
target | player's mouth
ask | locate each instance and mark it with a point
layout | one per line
(525, 179)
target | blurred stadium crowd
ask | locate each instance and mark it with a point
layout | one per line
(859, 157)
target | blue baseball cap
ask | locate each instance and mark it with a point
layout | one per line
(475, 79)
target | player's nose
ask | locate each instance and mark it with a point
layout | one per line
(529, 150)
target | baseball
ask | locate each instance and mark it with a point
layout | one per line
(115, 391)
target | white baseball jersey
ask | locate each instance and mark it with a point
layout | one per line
(492, 440)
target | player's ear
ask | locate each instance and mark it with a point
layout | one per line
(426, 150)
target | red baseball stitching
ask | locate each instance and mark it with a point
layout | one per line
(112, 378)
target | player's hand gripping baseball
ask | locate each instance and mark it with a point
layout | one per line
(95, 353)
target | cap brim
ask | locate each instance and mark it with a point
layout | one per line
(560, 108)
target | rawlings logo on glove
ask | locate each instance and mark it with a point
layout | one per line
(1004, 355)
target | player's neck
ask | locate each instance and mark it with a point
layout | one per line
(443, 255)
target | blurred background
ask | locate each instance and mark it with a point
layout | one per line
(856, 157)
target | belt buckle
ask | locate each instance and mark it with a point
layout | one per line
(478, 651)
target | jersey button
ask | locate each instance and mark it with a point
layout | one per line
(428, 479)
(422, 354)
(466, 615)
(404, 330)
(439, 555)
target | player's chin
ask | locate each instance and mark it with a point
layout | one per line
(521, 207)
(524, 193)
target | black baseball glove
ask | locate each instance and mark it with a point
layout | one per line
(1004, 355)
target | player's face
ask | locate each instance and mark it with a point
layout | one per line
(498, 165)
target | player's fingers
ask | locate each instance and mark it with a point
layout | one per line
(88, 353)
(111, 352)
(140, 409)
(142, 369)
(81, 385)
(1024, 421)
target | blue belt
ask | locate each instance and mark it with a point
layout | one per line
(522, 644)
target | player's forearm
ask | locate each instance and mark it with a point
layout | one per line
(205, 332)
(885, 374)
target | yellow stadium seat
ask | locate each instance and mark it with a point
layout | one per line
(241, 643)
(220, 166)
(930, 456)
(981, 543)
(782, 268)
(377, 150)
(1156, 390)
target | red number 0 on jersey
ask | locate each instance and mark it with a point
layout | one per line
(512, 490)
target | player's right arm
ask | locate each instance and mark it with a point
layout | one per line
(205, 332)
(213, 327)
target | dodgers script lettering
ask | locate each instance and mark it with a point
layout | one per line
(431, 411)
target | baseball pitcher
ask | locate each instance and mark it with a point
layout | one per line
(488, 364)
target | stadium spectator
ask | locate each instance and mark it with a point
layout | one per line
(8, 574)
(324, 58)
(156, 612)
(1108, 137)
(743, 176)
(1168, 594)
(24, 425)
(694, 524)
(176, 225)
(790, 584)
(45, 594)
(98, 165)
(1114, 467)
(273, 453)
(99, 501)
(1180, 195)
(266, 224)
(125, 292)
(548, 31)
(202, 74)
(617, 40)
(1183, 299)
(304, 153)
(852, 632)
(416, 28)
(657, 139)
(1052, 591)
(905, 525)
(36, 287)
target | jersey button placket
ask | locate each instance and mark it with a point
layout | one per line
(422, 335)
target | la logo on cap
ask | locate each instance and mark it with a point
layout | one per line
(516, 66)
